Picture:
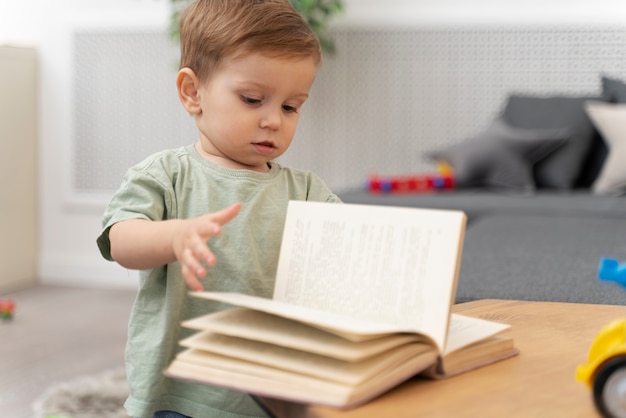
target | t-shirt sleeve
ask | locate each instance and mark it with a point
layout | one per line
(319, 191)
(142, 195)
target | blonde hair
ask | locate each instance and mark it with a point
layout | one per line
(211, 30)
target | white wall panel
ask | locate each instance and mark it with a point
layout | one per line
(378, 106)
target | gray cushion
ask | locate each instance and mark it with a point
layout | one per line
(593, 163)
(613, 90)
(500, 156)
(561, 169)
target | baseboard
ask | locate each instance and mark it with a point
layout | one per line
(9, 286)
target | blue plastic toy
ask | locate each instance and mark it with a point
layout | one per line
(612, 271)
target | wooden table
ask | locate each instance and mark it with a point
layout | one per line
(553, 338)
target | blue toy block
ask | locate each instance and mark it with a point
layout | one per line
(612, 271)
(439, 182)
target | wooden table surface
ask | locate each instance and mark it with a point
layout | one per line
(553, 338)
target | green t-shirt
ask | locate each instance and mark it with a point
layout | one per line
(180, 184)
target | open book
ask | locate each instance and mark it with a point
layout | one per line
(362, 302)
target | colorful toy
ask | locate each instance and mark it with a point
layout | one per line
(440, 180)
(7, 308)
(611, 270)
(408, 184)
(444, 168)
(605, 370)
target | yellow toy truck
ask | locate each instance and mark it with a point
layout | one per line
(605, 370)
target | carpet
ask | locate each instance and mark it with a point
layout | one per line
(97, 396)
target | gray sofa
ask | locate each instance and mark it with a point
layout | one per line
(543, 188)
(545, 246)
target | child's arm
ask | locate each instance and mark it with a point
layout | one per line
(141, 244)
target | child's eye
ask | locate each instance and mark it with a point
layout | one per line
(290, 109)
(250, 100)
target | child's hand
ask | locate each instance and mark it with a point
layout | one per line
(190, 243)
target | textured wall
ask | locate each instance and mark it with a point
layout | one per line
(385, 98)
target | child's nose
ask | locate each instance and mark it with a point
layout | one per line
(272, 119)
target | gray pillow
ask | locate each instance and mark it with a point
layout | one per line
(613, 90)
(561, 169)
(501, 156)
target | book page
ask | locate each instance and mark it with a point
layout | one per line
(354, 329)
(465, 330)
(386, 264)
(302, 362)
(208, 368)
(260, 326)
(476, 355)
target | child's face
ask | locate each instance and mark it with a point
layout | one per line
(249, 109)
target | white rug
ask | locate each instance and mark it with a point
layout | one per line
(96, 396)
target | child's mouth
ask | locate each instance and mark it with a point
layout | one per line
(264, 147)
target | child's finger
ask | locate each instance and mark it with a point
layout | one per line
(225, 215)
(191, 279)
(190, 261)
(200, 250)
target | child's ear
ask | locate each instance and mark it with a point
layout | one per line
(188, 86)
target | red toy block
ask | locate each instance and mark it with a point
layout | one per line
(7, 308)
(410, 184)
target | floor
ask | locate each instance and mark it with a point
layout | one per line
(57, 334)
